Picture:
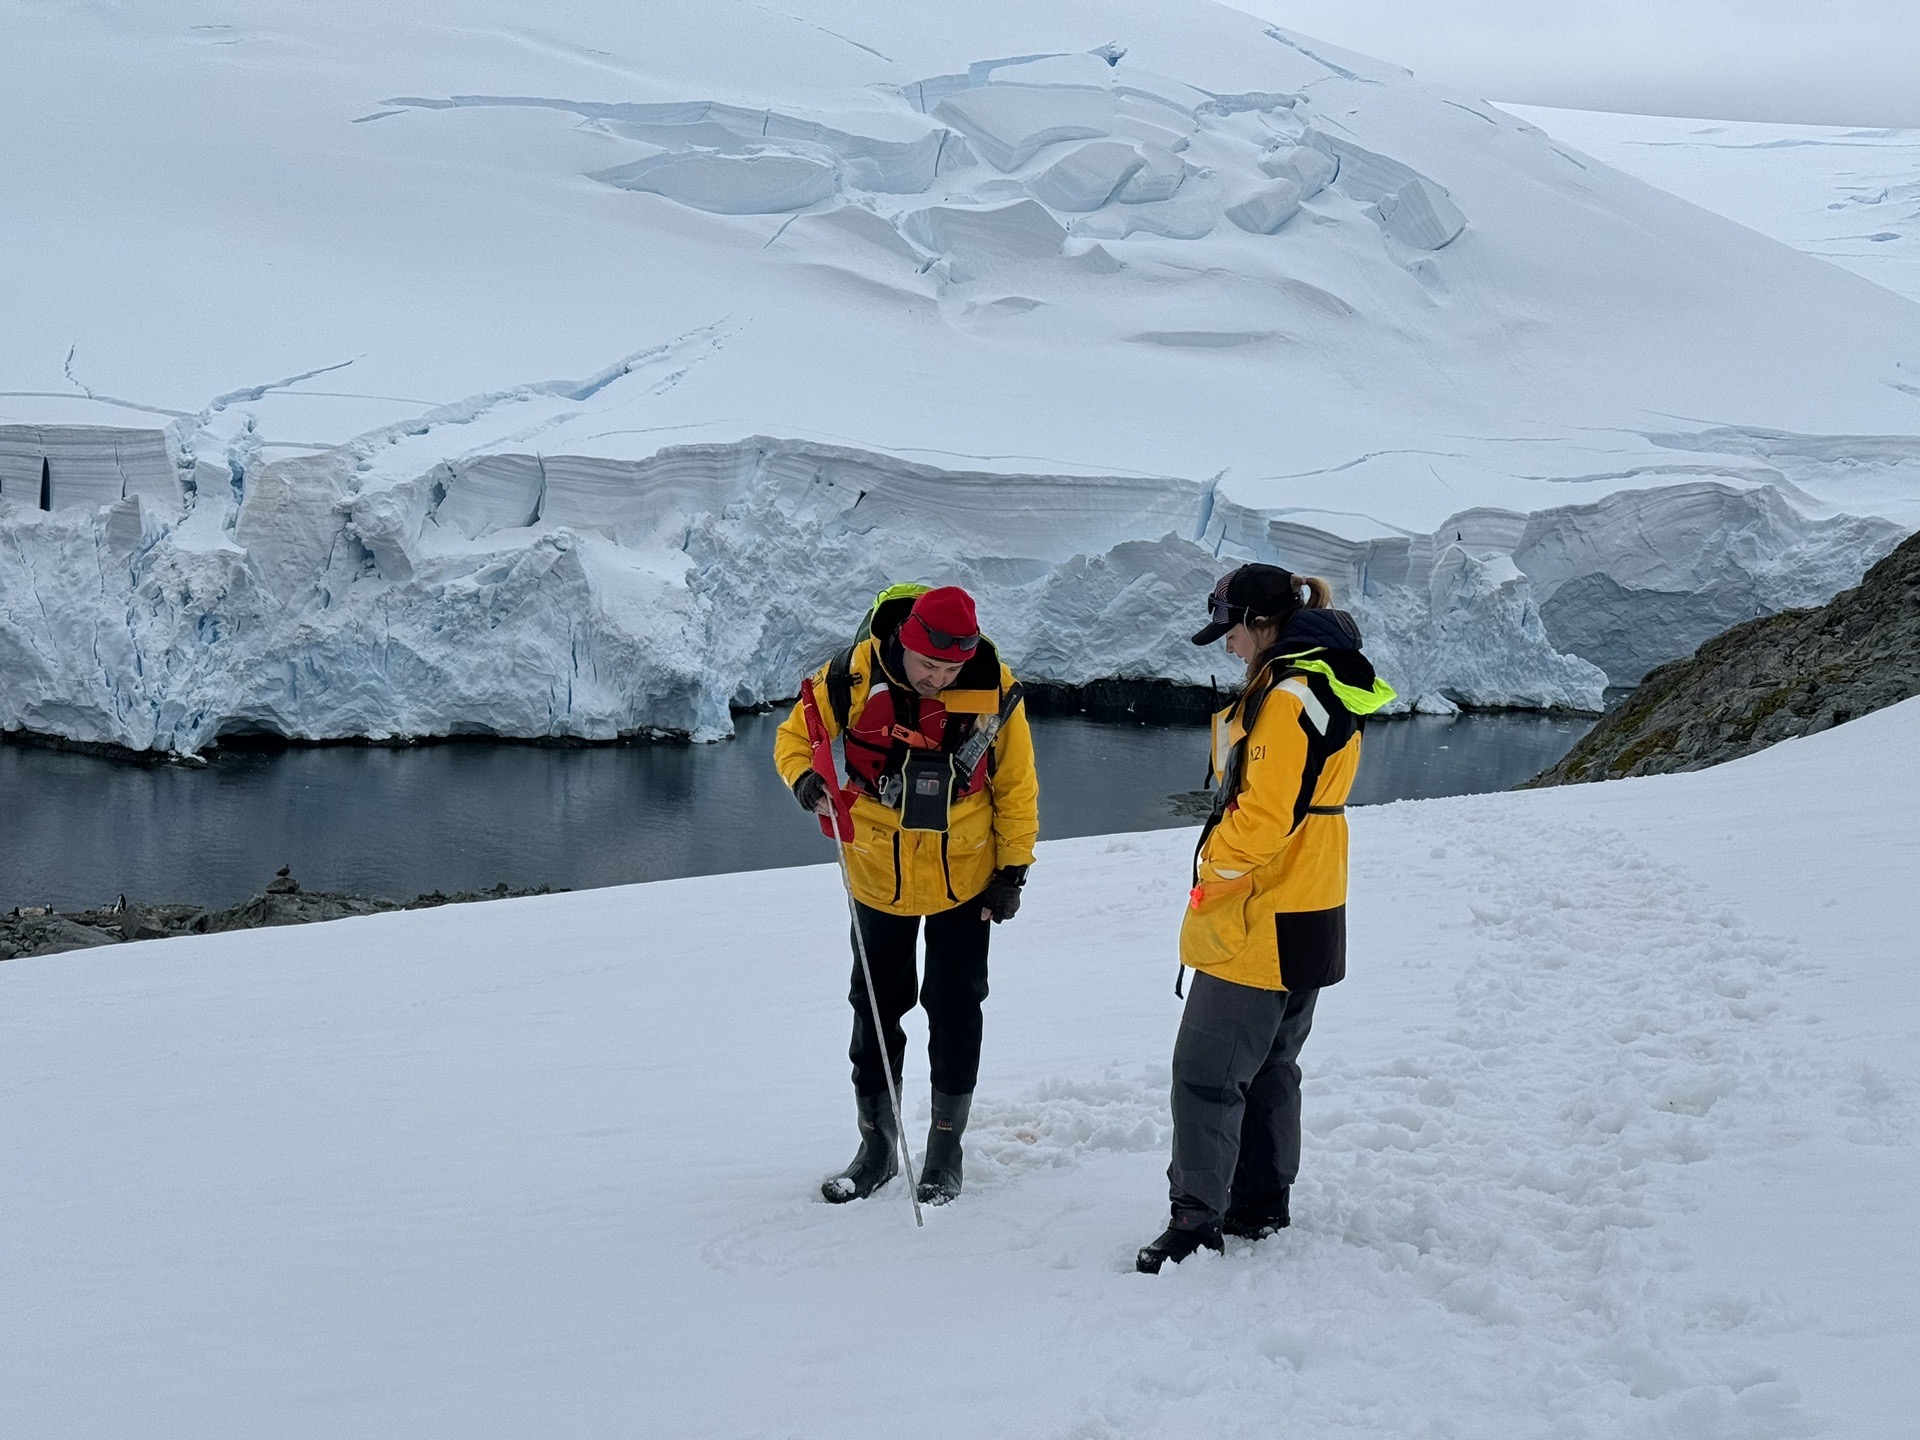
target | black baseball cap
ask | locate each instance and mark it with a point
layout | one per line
(1257, 590)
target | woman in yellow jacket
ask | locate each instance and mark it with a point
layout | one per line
(1265, 928)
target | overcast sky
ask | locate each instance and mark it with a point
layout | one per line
(1835, 62)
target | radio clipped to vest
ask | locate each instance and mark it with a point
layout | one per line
(926, 792)
(928, 780)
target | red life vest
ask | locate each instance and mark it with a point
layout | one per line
(883, 734)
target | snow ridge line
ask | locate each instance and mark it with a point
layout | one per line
(1275, 33)
(692, 345)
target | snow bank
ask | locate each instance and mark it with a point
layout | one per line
(1073, 320)
(463, 1172)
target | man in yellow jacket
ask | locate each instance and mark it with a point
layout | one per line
(945, 815)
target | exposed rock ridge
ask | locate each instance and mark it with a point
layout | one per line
(1791, 674)
(41, 930)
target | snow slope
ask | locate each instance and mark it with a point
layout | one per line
(1846, 195)
(437, 369)
(1611, 1133)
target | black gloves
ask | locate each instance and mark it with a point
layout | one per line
(1001, 899)
(811, 791)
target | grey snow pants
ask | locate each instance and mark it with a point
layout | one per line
(1236, 1097)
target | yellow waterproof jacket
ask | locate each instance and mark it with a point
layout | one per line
(916, 872)
(1268, 906)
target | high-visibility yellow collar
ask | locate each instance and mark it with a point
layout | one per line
(1357, 700)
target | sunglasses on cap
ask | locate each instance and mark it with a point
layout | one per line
(1221, 613)
(944, 641)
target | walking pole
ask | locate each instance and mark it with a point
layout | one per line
(840, 830)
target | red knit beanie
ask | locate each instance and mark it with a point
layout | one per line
(948, 610)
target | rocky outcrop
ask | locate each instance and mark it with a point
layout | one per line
(1795, 673)
(40, 930)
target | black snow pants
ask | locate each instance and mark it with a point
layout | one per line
(1236, 1097)
(955, 989)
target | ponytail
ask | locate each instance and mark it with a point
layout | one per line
(1310, 592)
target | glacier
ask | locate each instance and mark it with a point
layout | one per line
(1076, 328)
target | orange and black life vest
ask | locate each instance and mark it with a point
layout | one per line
(896, 721)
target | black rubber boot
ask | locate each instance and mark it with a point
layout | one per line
(879, 1157)
(1181, 1238)
(1256, 1219)
(940, 1175)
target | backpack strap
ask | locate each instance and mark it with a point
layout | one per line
(974, 748)
(840, 686)
(1233, 775)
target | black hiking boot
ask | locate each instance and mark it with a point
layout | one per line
(879, 1157)
(1180, 1239)
(1256, 1219)
(940, 1175)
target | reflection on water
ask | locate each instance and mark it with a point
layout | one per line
(1422, 757)
(78, 830)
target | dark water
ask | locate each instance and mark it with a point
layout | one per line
(77, 830)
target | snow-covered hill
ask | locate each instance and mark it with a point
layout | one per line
(1847, 195)
(454, 367)
(1610, 1132)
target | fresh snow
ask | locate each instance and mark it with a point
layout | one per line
(1611, 1132)
(437, 369)
(1851, 196)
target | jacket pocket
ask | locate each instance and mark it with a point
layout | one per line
(873, 856)
(1214, 929)
(969, 852)
(1313, 947)
(972, 827)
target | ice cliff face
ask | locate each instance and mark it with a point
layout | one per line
(1078, 327)
(352, 593)
(569, 596)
